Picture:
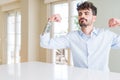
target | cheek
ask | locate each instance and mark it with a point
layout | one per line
(78, 18)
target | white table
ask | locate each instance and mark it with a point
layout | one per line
(46, 71)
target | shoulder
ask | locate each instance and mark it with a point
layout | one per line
(105, 31)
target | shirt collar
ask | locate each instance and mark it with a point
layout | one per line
(95, 31)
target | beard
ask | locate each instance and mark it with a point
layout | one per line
(82, 25)
(82, 22)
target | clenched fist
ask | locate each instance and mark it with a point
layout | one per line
(55, 18)
(114, 22)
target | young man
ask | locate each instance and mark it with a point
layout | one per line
(90, 46)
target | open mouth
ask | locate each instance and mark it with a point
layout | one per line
(82, 20)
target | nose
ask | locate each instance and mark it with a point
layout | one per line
(81, 16)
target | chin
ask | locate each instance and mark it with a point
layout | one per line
(83, 25)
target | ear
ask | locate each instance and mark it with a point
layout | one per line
(94, 18)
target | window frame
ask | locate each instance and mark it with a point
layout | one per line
(14, 12)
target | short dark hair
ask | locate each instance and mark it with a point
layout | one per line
(87, 5)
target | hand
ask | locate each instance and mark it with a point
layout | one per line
(114, 22)
(55, 18)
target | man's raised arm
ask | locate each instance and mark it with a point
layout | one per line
(53, 18)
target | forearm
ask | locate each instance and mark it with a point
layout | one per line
(45, 36)
(118, 22)
(47, 28)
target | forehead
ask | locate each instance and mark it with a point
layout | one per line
(85, 10)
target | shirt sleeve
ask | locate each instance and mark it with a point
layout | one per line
(116, 42)
(115, 39)
(53, 43)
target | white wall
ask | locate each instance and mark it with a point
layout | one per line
(108, 9)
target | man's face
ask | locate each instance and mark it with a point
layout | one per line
(86, 18)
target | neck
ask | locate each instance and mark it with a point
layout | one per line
(87, 30)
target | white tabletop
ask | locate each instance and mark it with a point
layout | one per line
(46, 71)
